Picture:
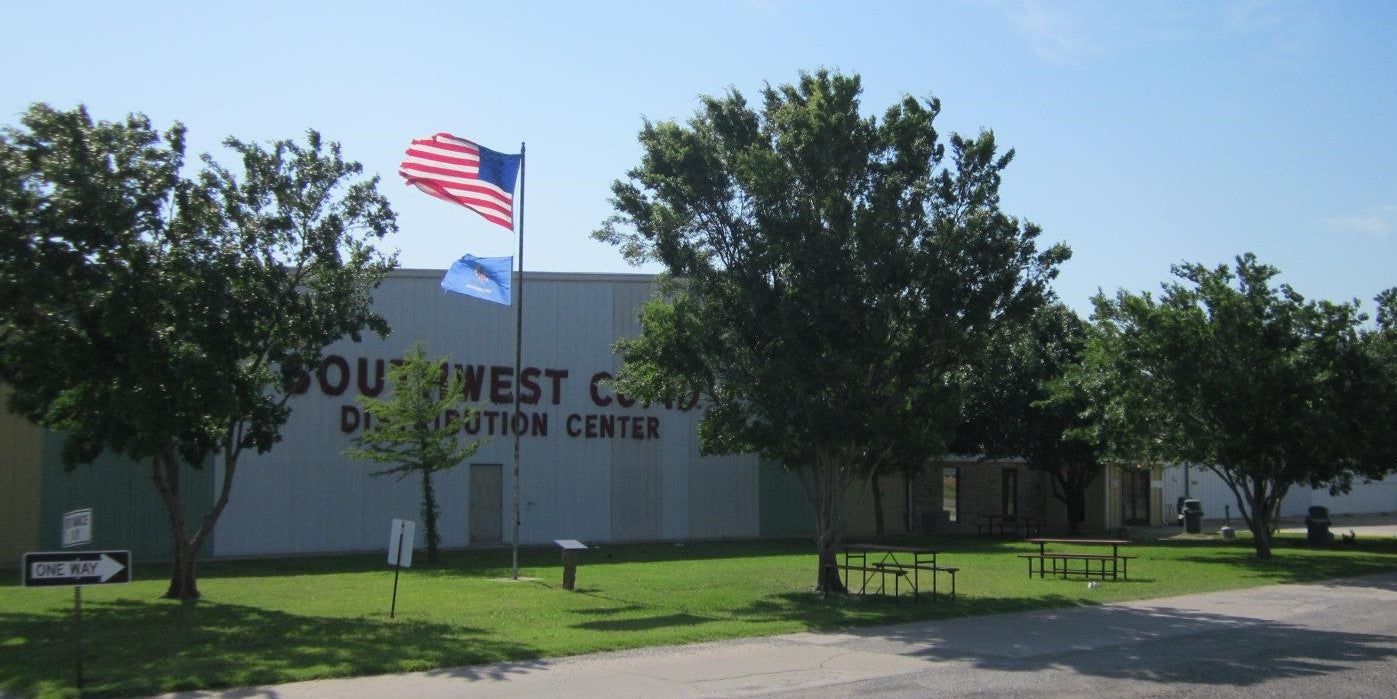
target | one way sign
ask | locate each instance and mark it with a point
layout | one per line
(46, 568)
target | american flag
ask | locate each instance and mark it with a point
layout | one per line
(465, 173)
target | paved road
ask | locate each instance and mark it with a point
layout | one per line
(1333, 639)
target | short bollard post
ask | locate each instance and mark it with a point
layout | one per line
(569, 569)
(570, 548)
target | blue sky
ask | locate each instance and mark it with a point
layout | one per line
(1146, 132)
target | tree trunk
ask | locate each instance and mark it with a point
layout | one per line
(1261, 535)
(1076, 501)
(1261, 527)
(877, 508)
(824, 483)
(1070, 488)
(183, 578)
(429, 515)
(165, 472)
(829, 579)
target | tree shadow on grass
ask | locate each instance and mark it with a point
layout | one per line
(643, 623)
(137, 647)
(818, 612)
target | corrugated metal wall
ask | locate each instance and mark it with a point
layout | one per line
(604, 471)
(1376, 497)
(35, 491)
(127, 513)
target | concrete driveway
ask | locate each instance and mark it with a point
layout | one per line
(1337, 638)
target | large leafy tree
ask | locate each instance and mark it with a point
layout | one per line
(1020, 403)
(1380, 389)
(417, 428)
(826, 272)
(165, 317)
(1249, 379)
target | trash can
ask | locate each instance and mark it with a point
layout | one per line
(1317, 526)
(1193, 516)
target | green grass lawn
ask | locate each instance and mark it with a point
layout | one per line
(270, 621)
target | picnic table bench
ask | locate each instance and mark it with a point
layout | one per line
(986, 524)
(904, 563)
(1061, 562)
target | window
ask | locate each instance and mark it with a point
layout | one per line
(950, 493)
(1009, 492)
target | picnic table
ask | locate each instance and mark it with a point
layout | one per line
(902, 563)
(987, 524)
(1061, 562)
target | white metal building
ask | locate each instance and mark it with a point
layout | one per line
(594, 465)
(1217, 499)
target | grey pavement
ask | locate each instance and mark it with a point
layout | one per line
(1335, 638)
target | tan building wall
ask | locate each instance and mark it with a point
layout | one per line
(21, 452)
(981, 491)
(981, 485)
(863, 524)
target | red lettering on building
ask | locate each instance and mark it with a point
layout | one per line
(341, 382)
(595, 389)
(501, 384)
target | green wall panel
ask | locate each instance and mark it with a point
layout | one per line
(784, 508)
(126, 511)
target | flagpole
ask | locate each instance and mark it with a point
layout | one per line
(518, 353)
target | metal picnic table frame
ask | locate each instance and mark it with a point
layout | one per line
(856, 557)
(1120, 565)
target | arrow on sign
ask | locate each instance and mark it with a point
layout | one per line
(107, 567)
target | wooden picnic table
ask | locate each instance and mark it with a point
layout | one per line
(986, 524)
(901, 562)
(1061, 561)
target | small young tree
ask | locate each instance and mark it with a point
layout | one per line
(418, 427)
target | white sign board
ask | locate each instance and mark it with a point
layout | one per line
(47, 568)
(570, 544)
(77, 527)
(402, 532)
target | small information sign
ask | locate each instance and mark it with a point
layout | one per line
(570, 548)
(77, 527)
(401, 532)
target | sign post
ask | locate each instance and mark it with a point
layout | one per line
(570, 548)
(400, 538)
(77, 568)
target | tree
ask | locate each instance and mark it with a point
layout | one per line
(1246, 378)
(1021, 404)
(1379, 391)
(418, 428)
(166, 318)
(825, 272)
